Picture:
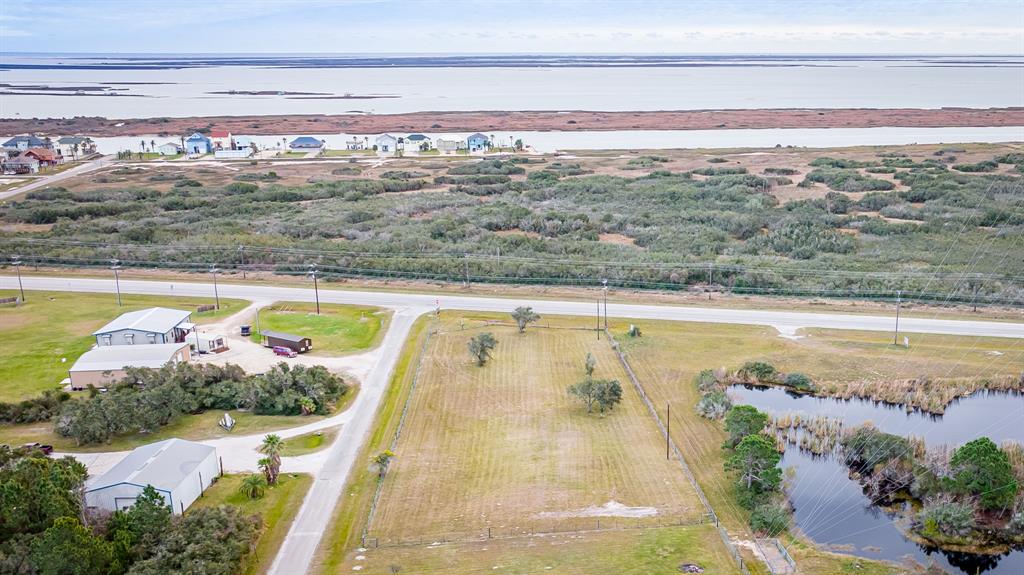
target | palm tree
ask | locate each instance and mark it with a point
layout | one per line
(74, 151)
(266, 466)
(152, 145)
(253, 486)
(271, 447)
(307, 405)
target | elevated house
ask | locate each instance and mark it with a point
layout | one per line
(155, 325)
(386, 143)
(417, 142)
(75, 147)
(179, 470)
(307, 143)
(21, 164)
(296, 343)
(221, 140)
(104, 366)
(477, 142)
(47, 157)
(450, 146)
(169, 149)
(23, 143)
(198, 144)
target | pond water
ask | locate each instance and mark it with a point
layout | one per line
(832, 510)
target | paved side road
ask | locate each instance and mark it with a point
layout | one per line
(787, 323)
(55, 178)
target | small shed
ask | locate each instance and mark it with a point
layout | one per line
(209, 343)
(179, 470)
(296, 343)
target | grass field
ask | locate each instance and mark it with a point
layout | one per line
(309, 443)
(338, 329)
(51, 326)
(278, 508)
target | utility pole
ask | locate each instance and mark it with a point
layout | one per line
(115, 265)
(598, 330)
(668, 429)
(604, 284)
(465, 267)
(241, 260)
(16, 262)
(316, 289)
(216, 296)
(899, 300)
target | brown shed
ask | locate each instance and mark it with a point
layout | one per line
(294, 342)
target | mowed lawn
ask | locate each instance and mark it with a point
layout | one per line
(505, 447)
(278, 508)
(338, 329)
(53, 326)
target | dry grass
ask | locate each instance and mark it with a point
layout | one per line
(500, 445)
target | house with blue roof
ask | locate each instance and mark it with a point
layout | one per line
(198, 144)
(477, 142)
(25, 142)
(306, 143)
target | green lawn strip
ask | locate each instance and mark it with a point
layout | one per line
(310, 442)
(338, 329)
(51, 326)
(350, 514)
(278, 508)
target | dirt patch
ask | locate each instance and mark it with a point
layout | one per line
(616, 239)
(610, 509)
(516, 232)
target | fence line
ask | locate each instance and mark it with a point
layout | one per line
(398, 433)
(733, 551)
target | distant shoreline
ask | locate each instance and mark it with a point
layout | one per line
(485, 121)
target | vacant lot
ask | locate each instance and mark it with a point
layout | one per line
(42, 338)
(277, 507)
(504, 446)
(338, 329)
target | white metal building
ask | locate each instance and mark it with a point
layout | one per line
(146, 326)
(179, 470)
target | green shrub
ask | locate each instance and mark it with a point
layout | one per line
(799, 381)
(759, 371)
(769, 519)
(946, 519)
(984, 166)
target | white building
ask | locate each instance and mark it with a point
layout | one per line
(209, 343)
(386, 143)
(169, 149)
(450, 146)
(103, 366)
(179, 470)
(146, 326)
(232, 154)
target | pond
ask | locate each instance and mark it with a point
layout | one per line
(832, 510)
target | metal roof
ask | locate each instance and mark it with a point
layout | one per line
(477, 136)
(115, 357)
(417, 137)
(164, 465)
(285, 336)
(154, 320)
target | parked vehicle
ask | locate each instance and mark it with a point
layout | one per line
(285, 351)
(246, 330)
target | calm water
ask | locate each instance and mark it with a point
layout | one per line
(831, 508)
(182, 86)
(668, 139)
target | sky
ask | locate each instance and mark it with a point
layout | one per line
(521, 26)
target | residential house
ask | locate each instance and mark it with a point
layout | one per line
(21, 164)
(450, 146)
(197, 144)
(417, 142)
(296, 343)
(477, 142)
(242, 142)
(75, 146)
(169, 149)
(386, 143)
(155, 325)
(46, 156)
(179, 470)
(23, 143)
(306, 143)
(103, 366)
(221, 140)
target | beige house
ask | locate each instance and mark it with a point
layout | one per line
(102, 366)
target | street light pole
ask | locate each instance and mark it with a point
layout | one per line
(899, 300)
(115, 265)
(316, 289)
(16, 262)
(216, 296)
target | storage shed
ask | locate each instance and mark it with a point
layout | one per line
(179, 470)
(209, 343)
(296, 343)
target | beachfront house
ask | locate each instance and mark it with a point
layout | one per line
(75, 146)
(198, 144)
(417, 142)
(179, 470)
(449, 146)
(386, 143)
(45, 156)
(21, 164)
(169, 149)
(243, 143)
(221, 139)
(477, 142)
(153, 325)
(307, 143)
(23, 143)
(104, 366)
